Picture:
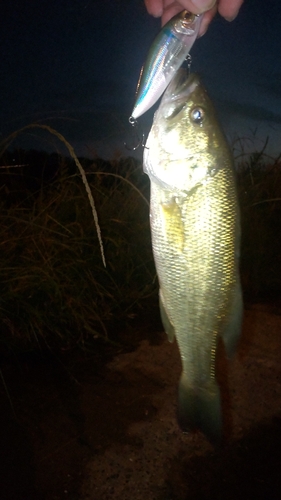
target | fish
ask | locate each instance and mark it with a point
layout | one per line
(195, 231)
(166, 55)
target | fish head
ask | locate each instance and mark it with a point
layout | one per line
(185, 145)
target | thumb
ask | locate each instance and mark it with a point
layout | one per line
(203, 5)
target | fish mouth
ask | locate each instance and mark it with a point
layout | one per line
(181, 86)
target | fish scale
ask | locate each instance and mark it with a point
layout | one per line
(203, 269)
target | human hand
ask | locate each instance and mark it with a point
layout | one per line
(166, 9)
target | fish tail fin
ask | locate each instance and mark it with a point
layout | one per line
(200, 408)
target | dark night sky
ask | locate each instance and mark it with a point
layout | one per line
(74, 64)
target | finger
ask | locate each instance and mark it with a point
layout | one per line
(170, 11)
(202, 5)
(229, 8)
(207, 18)
(173, 7)
(154, 7)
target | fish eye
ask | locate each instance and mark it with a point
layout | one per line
(197, 115)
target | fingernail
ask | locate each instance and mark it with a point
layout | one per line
(231, 18)
(204, 5)
(201, 33)
(158, 13)
(155, 9)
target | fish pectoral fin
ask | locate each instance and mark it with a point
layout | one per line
(232, 330)
(200, 408)
(168, 327)
(172, 224)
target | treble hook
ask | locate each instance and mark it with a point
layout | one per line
(188, 61)
(139, 139)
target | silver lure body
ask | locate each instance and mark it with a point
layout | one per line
(166, 55)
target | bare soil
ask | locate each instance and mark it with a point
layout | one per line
(103, 426)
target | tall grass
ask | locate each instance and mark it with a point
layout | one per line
(54, 286)
(55, 290)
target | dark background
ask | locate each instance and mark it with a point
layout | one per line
(74, 65)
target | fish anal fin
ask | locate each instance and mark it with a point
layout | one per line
(200, 408)
(168, 327)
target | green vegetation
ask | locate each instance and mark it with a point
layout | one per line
(55, 289)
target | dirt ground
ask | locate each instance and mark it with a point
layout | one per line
(103, 426)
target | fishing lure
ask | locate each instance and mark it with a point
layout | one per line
(166, 55)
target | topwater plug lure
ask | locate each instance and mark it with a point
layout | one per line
(167, 53)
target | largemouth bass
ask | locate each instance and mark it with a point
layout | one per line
(195, 228)
(166, 55)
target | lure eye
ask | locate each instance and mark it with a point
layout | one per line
(197, 115)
